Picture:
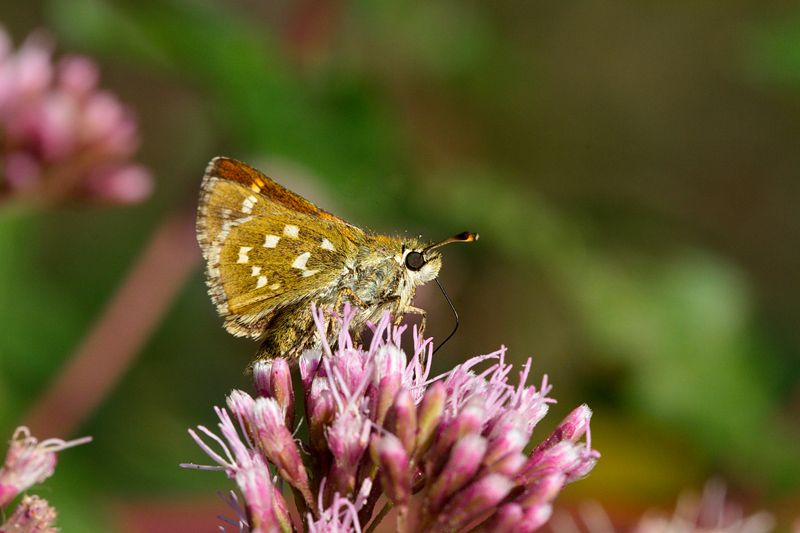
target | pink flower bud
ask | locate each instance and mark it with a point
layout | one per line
(390, 363)
(21, 171)
(544, 491)
(277, 443)
(258, 491)
(273, 379)
(473, 501)
(511, 442)
(571, 429)
(402, 419)
(308, 364)
(120, 185)
(262, 378)
(101, 115)
(559, 458)
(78, 75)
(55, 127)
(431, 410)
(534, 518)
(239, 404)
(505, 520)
(586, 462)
(462, 464)
(469, 420)
(507, 465)
(390, 455)
(33, 70)
(348, 438)
(321, 414)
(510, 420)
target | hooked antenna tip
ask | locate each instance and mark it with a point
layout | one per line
(461, 237)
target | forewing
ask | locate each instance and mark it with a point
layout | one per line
(264, 253)
(253, 179)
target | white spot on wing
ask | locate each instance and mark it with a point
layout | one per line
(291, 231)
(248, 203)
(262, 280)
(271, 241)
(309, 273)
(275, 286)
(301, 260)
(243, 254)
(256, 271)
(327, 245)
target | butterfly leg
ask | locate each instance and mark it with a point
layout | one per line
(352, 296)
(416, 311)
(355, 300)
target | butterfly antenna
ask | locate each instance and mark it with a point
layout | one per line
(461, 237)
(454, 312)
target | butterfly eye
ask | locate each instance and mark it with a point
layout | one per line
(414, 261)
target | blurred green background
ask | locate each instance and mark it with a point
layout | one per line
(632, 168)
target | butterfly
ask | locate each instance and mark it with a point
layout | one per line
(270, 253)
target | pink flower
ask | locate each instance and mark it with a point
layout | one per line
(29, 462)
(341, 516)
(33, 514)
(378, 425)
(61, 137)
(710, 512)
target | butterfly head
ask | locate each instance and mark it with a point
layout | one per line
(421, 267)
(423, 264)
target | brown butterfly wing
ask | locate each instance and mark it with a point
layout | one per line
(266, 248)
(244, 174)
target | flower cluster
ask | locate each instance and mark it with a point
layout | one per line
(379, 427)
(61, 137)
(29, 462)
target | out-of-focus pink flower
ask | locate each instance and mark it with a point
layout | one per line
(32, 515)
(61, 137)
(378, 425)
(708, 513)
(29, 462)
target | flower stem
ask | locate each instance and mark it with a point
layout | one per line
(381, 515)
(118, 335)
